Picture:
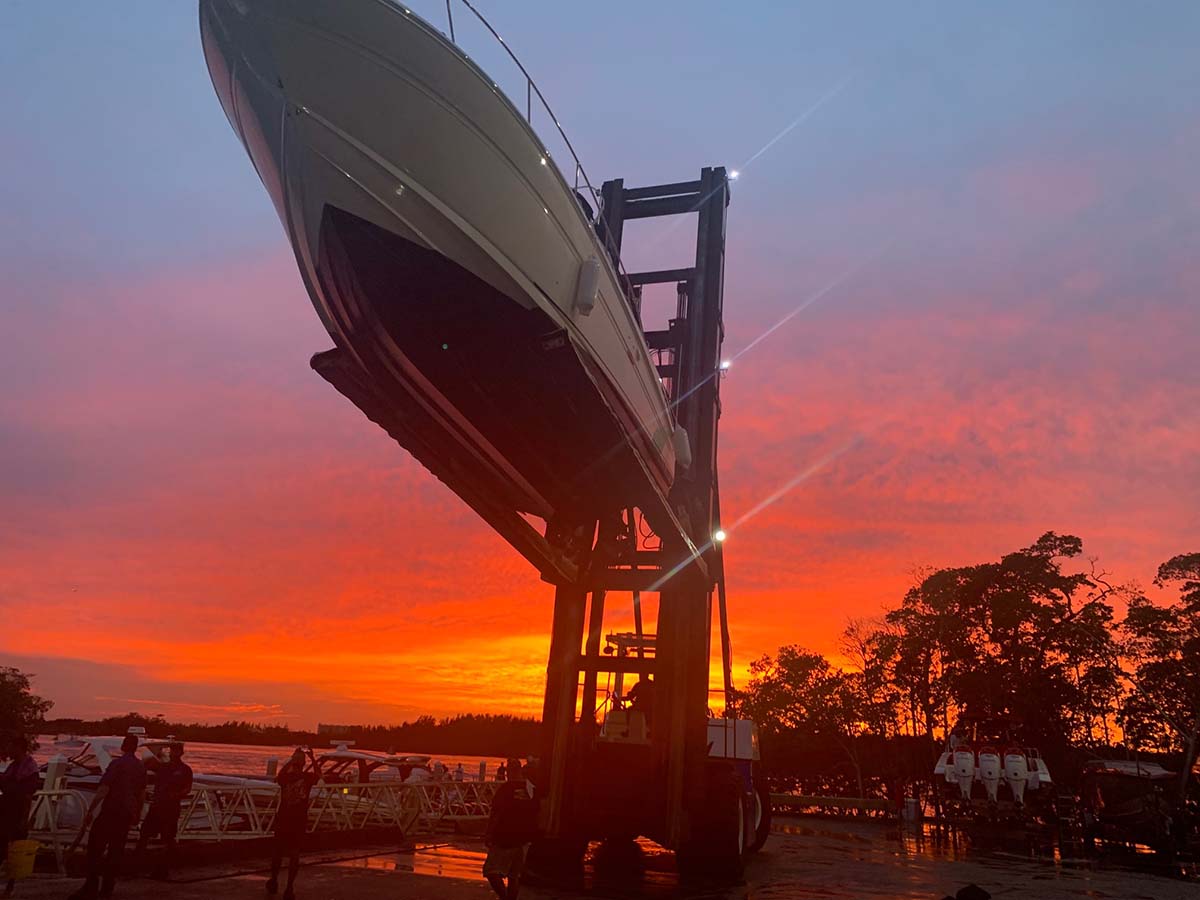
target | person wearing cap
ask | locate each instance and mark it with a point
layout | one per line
(296, 780)
(172, 784)
(122, 789)
(511, 828)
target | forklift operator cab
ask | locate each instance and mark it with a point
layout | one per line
(625, 725)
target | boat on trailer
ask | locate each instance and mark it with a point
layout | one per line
(476, 312)
(984, 756)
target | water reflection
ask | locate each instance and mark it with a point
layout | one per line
(831, 858)
(441, 860)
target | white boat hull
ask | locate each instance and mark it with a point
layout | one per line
(443, 249)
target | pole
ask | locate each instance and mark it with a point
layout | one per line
(558, 711)
(592, 657)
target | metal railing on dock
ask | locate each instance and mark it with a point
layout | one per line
(246, 812)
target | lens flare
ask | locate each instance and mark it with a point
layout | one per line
(734, 174)
(790, 485)
(802, 118)
(774, 497)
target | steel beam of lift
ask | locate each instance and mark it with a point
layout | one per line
(583, 797)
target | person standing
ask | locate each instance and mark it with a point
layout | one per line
(459, 773)
(122, 789)
(511, 827)
(956, 737)
(172, 783)
(18, 783)
(296, 780)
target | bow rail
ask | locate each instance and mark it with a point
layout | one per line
(581, 180)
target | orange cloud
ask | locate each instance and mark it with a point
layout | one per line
(191, 515)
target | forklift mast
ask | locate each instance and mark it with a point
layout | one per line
(668, 774)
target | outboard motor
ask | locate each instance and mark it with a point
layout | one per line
(1016, 773)
(989, 771)
(964, 769)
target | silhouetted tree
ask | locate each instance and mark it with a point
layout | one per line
(869, 648)
(1163, 643)
(21, 710)
(472, 734)
(1019, 637)
(798, 691)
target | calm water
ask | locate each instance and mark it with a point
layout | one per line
(251, 759)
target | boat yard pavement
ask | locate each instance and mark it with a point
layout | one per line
(804, 858)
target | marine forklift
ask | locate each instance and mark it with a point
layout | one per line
(655, 761)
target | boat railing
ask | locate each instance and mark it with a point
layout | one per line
(581, 180)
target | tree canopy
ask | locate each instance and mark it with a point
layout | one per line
(1162, 709)
(1018, 637)
(21, 710)
(1033, 637)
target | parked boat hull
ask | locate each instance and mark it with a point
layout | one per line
(443, 250)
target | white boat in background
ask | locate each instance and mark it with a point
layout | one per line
(452, 264)
(84, 759)
(983, 755)
(78, 763)
(343, 764)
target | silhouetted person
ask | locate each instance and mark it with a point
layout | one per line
(641, 698)
(957, 737)
(459, 773)
(502, 772)
(511, 827)
(296, 780)
(172, 783)
(122, 788)
(18, 783)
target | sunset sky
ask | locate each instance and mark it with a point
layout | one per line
(984, 218)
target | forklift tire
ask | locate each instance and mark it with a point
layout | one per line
(762, 815)
(718, 851)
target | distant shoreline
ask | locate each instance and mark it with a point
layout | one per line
(464, 735)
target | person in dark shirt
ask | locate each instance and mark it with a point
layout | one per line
(172, 784)
(296, 780)
(641, 698)
(510, 829)
(18, 783)
(122, 788)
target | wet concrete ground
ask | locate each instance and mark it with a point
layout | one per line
(805, 858)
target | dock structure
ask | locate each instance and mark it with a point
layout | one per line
(246, 812)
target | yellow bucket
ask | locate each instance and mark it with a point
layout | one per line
(21, 855)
